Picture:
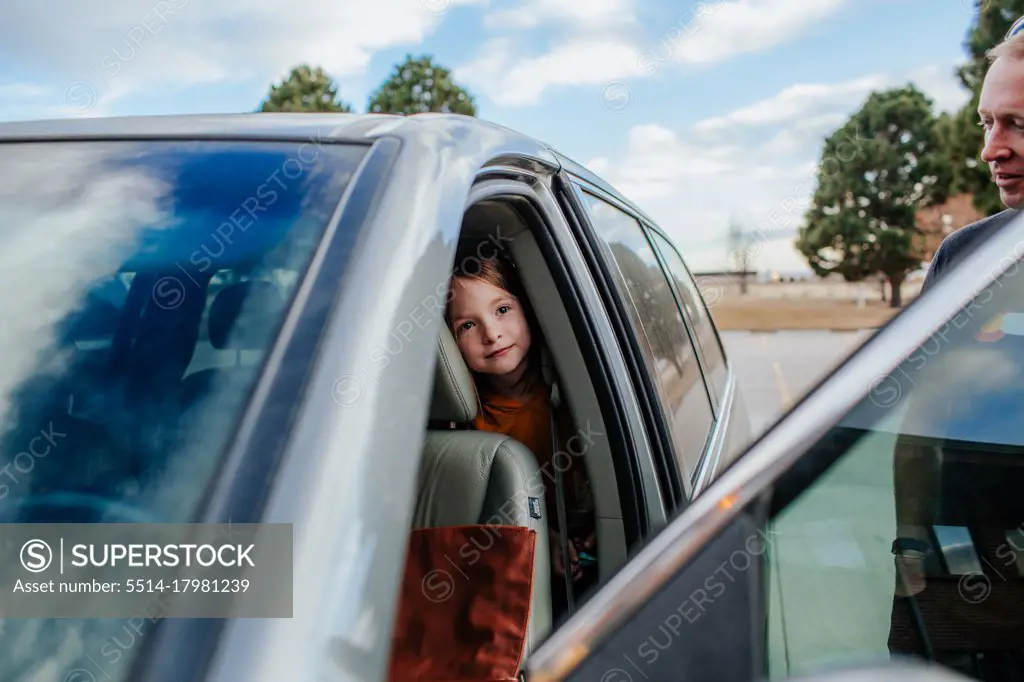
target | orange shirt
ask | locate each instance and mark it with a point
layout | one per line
(529, 422)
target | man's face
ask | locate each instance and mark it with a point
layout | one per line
(1001, 109)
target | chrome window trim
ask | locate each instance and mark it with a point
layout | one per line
(773, 454)
(708, 467)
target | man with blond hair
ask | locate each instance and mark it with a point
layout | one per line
(1001, 113)
(917, 466)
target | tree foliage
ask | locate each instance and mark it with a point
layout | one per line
(962, 133)
(418, 85)
(875, 172)
(306, 89)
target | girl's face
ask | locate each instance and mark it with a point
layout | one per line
(489, 327)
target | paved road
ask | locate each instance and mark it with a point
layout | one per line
(831, 546)
(776, 368)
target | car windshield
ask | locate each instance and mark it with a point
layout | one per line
(145, 282)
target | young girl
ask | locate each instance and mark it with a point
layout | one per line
(500, 341)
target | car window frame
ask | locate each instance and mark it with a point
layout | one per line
(677, 488)
(745, 485)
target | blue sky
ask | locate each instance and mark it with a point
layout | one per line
(701, 112)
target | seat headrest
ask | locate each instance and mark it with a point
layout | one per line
(454, 398)
(241, 315)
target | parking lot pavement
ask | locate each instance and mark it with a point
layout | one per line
(775, 368)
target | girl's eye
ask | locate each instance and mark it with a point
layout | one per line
(464, 326)
(503, 309)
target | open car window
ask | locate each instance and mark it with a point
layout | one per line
(144, 283)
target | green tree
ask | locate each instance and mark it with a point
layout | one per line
(306, 89)
(419, 85)
(963, 135)
(875, 172)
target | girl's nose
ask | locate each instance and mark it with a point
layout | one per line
(490, 332)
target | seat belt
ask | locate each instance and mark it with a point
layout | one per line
(563, 524)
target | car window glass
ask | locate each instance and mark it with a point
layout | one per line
(912, 539)
(671, 357)
(156, 276)
(696, 312)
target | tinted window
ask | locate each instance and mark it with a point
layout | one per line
(934, 457)
(670, 355)
(696, 312)
(144, 284)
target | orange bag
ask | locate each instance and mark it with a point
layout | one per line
(465, 604)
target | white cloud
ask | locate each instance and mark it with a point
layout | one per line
(809, 106)
(591, 14)
(723, 29)
(509, 79)
(715, 31)
(693, 192)
(26, 101)
(802, 135)
(797, 102)
(119, 47)
(941, 84)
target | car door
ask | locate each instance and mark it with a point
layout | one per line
(880, 518)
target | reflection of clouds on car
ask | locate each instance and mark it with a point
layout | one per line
(83, 210)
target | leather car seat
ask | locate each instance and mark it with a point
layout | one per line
(476, 477)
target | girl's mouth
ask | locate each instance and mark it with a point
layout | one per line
(500, 353)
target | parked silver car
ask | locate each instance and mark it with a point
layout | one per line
(239, 318)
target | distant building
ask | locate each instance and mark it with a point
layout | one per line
(936, 222)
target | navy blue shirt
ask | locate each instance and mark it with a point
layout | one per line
(959, 244)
